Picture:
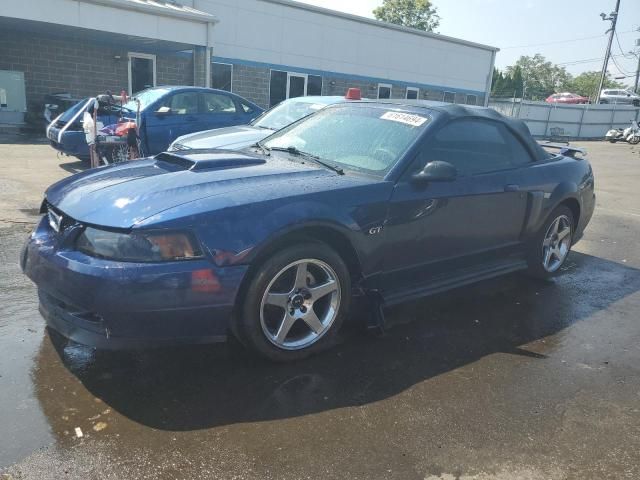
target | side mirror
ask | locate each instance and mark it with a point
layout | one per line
(163, 111)
(436, 171)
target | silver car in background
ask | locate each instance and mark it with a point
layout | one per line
(619, 96)
(242, 136)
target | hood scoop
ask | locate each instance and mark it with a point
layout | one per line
(196, 160)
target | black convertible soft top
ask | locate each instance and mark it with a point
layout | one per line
(518, 127)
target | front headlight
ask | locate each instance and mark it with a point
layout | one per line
(138, 246)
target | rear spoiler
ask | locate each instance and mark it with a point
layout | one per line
(565, 149)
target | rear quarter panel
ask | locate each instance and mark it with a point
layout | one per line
(552, 182)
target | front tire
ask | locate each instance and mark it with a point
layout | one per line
(295, 303)
(550, 246)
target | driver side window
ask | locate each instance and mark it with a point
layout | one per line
(474, 147)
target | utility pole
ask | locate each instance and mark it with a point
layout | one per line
(613, 18)
(635, 87)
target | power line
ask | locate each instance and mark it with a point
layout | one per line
(586, 60)
(620, 69)
(561, 41)
(620, 47)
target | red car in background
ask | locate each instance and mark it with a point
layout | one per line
(567, 98)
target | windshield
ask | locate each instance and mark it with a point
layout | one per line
(366, 139)
(286, 113)
(146, 98)
(68, 114)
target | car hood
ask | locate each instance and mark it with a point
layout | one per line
(122, 195)
(237, 137)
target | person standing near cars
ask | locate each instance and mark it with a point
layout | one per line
(90, 127)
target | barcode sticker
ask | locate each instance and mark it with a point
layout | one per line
(407, 118)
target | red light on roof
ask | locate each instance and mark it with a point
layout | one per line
(353, 94)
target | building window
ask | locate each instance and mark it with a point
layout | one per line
(221, 76)
(285, 85)
(449, 97)
(412, 93)
(384, 90)
(472, 100)
(314, 85)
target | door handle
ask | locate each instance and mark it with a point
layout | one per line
(512, 188)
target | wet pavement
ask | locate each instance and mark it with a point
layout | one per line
(509, 379)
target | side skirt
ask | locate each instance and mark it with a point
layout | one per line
(458, 279)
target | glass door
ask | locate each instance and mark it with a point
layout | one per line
(142, 72)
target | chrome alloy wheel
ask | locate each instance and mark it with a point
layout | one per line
(556, 244)
(300, 304)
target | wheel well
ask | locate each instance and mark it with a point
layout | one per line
(333, 238)
(573, 205)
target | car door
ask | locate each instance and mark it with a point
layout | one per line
(173, 116)
(218, 110)
(477, 218)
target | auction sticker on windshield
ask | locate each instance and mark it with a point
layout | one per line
(407, 118)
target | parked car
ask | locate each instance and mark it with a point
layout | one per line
(242, 136)
(65, 132)
(171, 112)
(165, 114)
(567, 98)
(620, 96)
(392, 199)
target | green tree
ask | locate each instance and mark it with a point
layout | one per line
(540, 77)
(507, 85)
(586, 84)
(419, 14)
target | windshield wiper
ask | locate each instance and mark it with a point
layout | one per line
(265, 150)
(299, 153)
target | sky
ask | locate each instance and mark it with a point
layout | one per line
(567, 32)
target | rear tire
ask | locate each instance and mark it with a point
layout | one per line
(295, 303)
(550, 246)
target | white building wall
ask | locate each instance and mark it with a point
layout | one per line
(276, 34)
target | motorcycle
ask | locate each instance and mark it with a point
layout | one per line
(630, 134)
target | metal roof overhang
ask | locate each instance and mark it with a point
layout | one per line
(160, 20)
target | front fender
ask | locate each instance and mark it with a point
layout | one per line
(249, 236)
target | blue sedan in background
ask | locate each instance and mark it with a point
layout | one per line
(242, 136)
(391, 200)
(166, 113)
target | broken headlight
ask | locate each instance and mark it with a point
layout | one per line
(138, 246)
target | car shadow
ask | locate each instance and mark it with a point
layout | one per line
(75, 166)
(200, 387)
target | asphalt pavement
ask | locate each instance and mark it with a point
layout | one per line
(509, 379)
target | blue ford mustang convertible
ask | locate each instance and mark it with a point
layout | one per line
(389, 200)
